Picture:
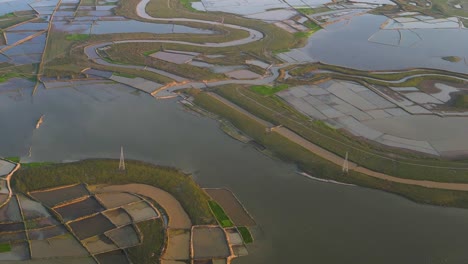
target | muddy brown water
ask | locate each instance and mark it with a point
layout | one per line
(300, 220)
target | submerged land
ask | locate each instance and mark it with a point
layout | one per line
(353, 112)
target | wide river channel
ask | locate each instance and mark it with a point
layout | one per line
(300, 220)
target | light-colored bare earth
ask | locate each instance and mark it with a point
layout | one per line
(124, 237)
(178, 218)
(61, 246)
(232, 206)
(178, 245)
(172, 57)
(209, 242)
(234, 237)
(116, 199)
(118, 217)
(99, 244)
(140, 211)
(240, 251)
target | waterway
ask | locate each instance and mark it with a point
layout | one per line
(300, 220)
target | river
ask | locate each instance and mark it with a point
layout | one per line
(300, 220)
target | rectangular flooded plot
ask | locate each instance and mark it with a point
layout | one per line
(12, 237)
(209, 242)
(53, 197)
(32, 209)
(124, 237)
(178, 244)
(6, 167)
(91, 226)
(10, 212)
(19, 251)
(79, 209)
(118, 217)
(60, 246)
(99, 244)
(41, 222)
(140, 211)
(113, 257)
(11, 227)
(46, 233)
(113, 200)
(231, 206)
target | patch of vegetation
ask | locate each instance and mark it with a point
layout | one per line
(150, 249)
(268, 90)
(220, 215)
(452, 58)
(13, 159)
(35, 164)
(77, 37)
(318, 167)
(181, 186)
(188, 4)
(6, 247)
(126, 75)
(246, 235)
(311, 11)
(5, 77)
(461, 101)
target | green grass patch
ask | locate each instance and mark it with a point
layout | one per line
(151, 247)
(220, 215)
(103, 171)
(13, 159)
(7, 76)
(311, 11)
(461, 101)
(5, 247)
(77, 37)
(188, 4)
(452, 58)
(268, 90)
(245, 233)
(126, 75)
(35, 164)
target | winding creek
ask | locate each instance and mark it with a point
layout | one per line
(300, 220)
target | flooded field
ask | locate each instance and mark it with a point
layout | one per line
(113, 200)
(209, 243)
(342, 42)
(79, 209)
(118, 217)
(57, 196)
(124, 237)
(232, 206)
(113, 257)
(92, 226)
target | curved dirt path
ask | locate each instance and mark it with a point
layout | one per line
(323, 153)
(178, 218)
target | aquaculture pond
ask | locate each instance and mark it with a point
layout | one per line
(298, 218)
(360, 43)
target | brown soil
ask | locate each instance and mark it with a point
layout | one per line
(178, 218)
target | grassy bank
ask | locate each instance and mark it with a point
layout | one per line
(181, 186)
(391, 161)
(319, 167)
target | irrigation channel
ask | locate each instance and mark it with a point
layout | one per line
(300, 220)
